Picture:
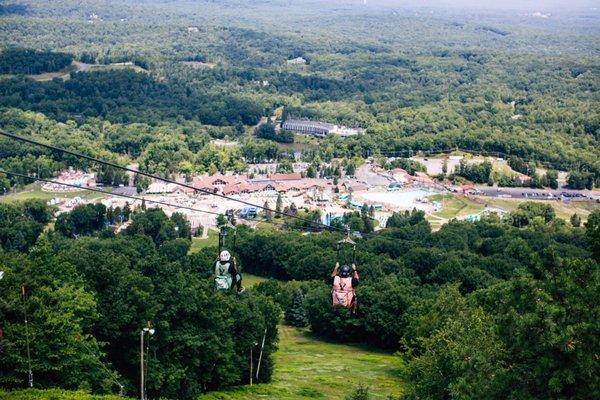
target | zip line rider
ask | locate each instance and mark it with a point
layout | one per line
(227, 274)
(344, 280)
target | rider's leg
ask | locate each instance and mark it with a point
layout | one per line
(238, 283)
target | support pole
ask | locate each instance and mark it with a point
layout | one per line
(250, 366)
(30, 372)
(141, 365)
(262, 346)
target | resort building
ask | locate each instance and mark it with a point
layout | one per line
(318, 128)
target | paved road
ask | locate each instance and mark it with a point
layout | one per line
(539, 194)
(126, 190)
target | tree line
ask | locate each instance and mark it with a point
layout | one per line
(14, 60)
(127, 96)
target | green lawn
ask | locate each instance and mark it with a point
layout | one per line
(563, 210)
(252, 280)
(455, 207)
(199, 243)
(306, 367)
(268, 226)
(34, 191)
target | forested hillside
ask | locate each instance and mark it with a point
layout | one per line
(487, 311)
(23, 61)
(86, 301)
(503, 82)
(503, 308)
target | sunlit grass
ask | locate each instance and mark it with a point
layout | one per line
(34, 191)
(456, 207)
(306, 367)
(199, 243)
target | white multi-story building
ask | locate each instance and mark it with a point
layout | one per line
(317, 128)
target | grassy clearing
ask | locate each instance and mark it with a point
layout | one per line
(563, 210)
(310, 368)
(267, 226)
(199, 243)
(252, 280)
(456, 207)
(35, 192)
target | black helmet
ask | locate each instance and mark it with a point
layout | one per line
(345, 271)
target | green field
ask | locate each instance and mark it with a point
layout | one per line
(306, 367)
(34, 191)
(252, 280)
(563, 210)
(199, 243)
(456, 207)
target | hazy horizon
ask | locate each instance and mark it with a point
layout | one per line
(533, 5)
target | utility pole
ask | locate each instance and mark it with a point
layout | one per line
(250, 366)
(251, 363)
(144, 363)
(30, 372)
(261, 353)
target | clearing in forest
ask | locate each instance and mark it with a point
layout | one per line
(306, 367)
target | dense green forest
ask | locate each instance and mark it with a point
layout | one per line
(492, 310)
(505, 83)
(126, 96)
(497, 309)
(526, 285)
(25, 61)
(87, 300)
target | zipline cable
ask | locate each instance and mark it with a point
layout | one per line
(3, 171)
(146, 174)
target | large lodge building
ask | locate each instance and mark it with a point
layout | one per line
(239, 184)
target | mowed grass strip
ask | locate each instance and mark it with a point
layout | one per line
(306, 367)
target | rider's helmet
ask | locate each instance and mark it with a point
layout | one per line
(224, 256)
(345, 271)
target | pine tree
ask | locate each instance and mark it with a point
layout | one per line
(350, 169)
(361, 393)
(278, 206)
(126, 212)
(267, 212)
(364, 211)
(295, 314)
(576, 220)
(221, 220)
(110, 215)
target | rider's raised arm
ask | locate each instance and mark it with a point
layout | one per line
(335, 269)
(355, 277)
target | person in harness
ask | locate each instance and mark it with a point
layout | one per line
(227, 274)
(344, 280)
